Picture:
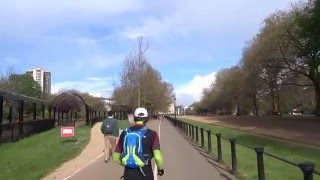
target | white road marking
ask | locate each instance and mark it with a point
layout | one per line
(83, 167)
(155, 172)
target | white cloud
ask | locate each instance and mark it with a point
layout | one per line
(192, 91)
(38, 16)
(213, 17)
(96, 86)
(96, 62)
(152, 27)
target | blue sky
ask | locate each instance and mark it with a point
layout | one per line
(84, 42)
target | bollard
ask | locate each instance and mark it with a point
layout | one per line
(197, 134)
(219, 147)
(190, 131)
(202, 137)
(234, 156)
(209, 141)
(261, 174)
(307, 169)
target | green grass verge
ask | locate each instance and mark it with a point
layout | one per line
(36, 156)
(247, 163)
(123, 124)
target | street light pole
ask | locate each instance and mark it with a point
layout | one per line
(175, 111)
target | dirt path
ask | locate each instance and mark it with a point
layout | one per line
(303, 130)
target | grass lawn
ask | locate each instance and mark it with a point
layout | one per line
(123, 124)
(247, 162)
(38, 155)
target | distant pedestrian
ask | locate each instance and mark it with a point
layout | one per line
(110, 130)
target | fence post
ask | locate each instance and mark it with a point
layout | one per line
(54, 112)
(197, 134)
(10, 120)
(21, 117)
(219, 147)
(233, 156)
(50, 111)
(34, 111)
(189, 128)
(307, 170)
(183, 127)
(202, 137)
(192, 132)
(1, 116)
(175, 122)
(43, 109)
(261, 174)
(186, 129)
(209, 141)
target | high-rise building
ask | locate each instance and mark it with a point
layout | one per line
(42, 77)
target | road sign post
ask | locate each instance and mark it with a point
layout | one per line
(67, 132)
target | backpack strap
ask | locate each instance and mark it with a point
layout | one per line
(143, 130)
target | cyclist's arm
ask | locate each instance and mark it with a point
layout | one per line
(118, 150)
(157, 153)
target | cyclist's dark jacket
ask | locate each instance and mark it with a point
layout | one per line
(150, 144)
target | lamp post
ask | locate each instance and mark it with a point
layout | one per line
(175, 111)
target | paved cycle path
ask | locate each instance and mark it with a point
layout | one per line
(181, 160)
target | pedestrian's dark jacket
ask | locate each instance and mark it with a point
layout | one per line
(115, 124)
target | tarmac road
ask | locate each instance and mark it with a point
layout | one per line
(181, 160)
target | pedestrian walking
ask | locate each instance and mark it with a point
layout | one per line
(110, 130)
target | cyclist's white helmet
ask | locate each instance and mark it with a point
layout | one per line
(141, 112)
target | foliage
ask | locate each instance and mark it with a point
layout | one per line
(141, 85)
(282, 59)
(24, 84)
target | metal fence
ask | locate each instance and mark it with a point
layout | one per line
(192, 132)
(17, 130)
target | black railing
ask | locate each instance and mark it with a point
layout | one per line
(14, 131)
(307, 168)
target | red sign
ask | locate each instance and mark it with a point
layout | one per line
(67, 132)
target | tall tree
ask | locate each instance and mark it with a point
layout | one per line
(307, 42)
(142, 85)
(24, 84)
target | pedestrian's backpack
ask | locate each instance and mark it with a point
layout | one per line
(132, 155)
(108, 127)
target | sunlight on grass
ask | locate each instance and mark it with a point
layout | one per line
(247, 162)
(36, 156)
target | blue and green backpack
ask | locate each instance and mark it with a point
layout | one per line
(132, 155)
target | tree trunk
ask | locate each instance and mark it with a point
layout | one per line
(139, 97)
(317, 91)
(238, 106)
(255, 105)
